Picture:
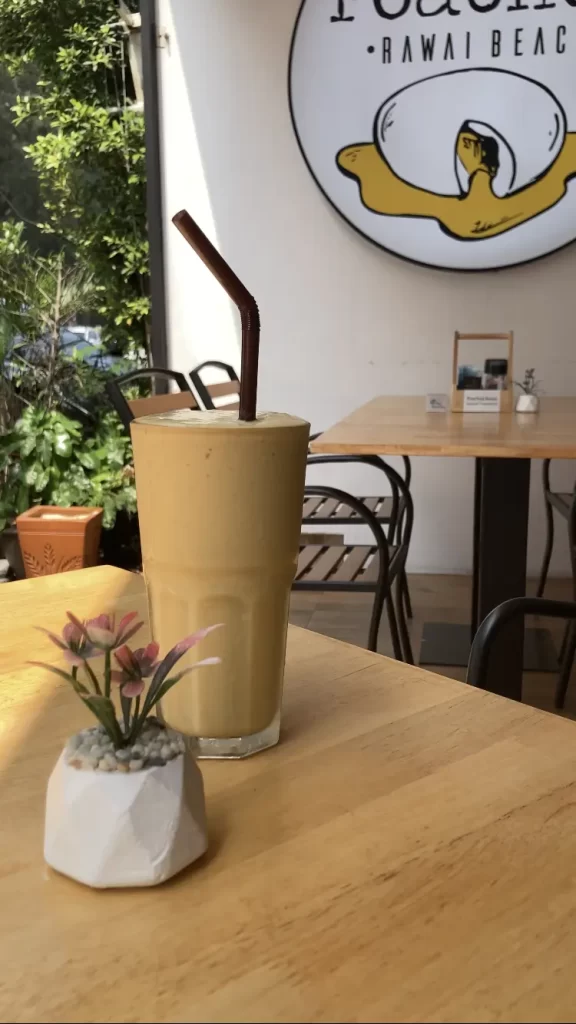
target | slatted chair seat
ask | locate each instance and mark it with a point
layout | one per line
(328, 511)
(338, 564)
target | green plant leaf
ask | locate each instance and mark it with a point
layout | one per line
(63, 444)
(103, 709)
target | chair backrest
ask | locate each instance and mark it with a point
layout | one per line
(225, 389)
(129, 409)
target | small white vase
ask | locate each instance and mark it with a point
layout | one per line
(527, 403)
(110, 829)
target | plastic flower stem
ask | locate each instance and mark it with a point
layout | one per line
(107, 673)
(91, 675)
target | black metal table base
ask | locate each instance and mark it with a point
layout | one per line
(447, 643)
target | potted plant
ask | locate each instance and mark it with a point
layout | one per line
(49, 459)
(125, 801)
(529, 400)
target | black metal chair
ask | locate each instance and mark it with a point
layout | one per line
(498, 617)
(129, 408)
(388, 509)
(208, 392)
(323, 566)
(565, 504)
(378, 567)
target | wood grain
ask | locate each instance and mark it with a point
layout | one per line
(406, 854)
(397, 425)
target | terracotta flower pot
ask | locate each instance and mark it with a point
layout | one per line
(56, 539)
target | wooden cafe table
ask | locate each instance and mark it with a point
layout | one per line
(502, 445)
(408, 852)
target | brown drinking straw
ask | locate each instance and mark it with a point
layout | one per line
(242, 298)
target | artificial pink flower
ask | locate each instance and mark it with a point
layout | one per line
(102, 631)
(74, 643)
(136, 664)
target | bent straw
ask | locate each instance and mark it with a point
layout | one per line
(242, 298)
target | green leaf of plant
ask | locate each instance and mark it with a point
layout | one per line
(63, 444)
(103, 709)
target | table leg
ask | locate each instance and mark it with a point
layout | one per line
(502, 548)
(501, 496)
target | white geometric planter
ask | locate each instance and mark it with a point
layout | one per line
(109, 829)
(527, 403)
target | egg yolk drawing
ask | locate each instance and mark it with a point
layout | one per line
(448, 148)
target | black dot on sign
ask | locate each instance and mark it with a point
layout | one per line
(370, 49)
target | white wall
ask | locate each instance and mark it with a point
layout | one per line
(342, 320)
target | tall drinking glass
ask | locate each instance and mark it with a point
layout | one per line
(220, 510)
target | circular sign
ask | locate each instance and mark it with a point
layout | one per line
(442, 130)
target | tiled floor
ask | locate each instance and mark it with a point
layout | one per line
(436, 598)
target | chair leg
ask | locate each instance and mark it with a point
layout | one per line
(547, 549)
(564, 643)
(377, 609)
(408, 656)
(406, 595)
(391, 612)
(566, 669)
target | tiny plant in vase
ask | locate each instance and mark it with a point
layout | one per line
(125, 801)
(101, 664)
(529, 400)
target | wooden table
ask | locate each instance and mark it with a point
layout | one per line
(408, 853)
(503, 445)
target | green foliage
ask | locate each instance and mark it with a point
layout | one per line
(89, 153)
(48, 459)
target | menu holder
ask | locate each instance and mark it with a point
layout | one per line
(482, 376)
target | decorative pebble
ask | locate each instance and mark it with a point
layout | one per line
(92, 749)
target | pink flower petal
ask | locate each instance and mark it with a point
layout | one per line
(79, 625)
(102, 622)
(133, 688)
(127, 659)
(121, 638)
(118, 677)
(126, 620)
(152, 651)
(71, 634)
(99, 635)
(195, 638)
(73, 659)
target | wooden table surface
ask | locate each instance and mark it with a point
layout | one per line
(408, 853)
(398, 425)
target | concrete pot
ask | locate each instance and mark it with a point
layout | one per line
(57, 540)
(527, 403)
(111, 829)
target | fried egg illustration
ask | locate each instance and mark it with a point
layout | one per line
(478, 150)
(520, 124)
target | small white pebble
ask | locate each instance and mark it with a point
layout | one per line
(122, 767)
(136, 765)
(166, 752)
(137, 750)
(103, 765)
(96, 751)
(111, 761)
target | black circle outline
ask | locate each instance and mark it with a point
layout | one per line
(368, 238)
